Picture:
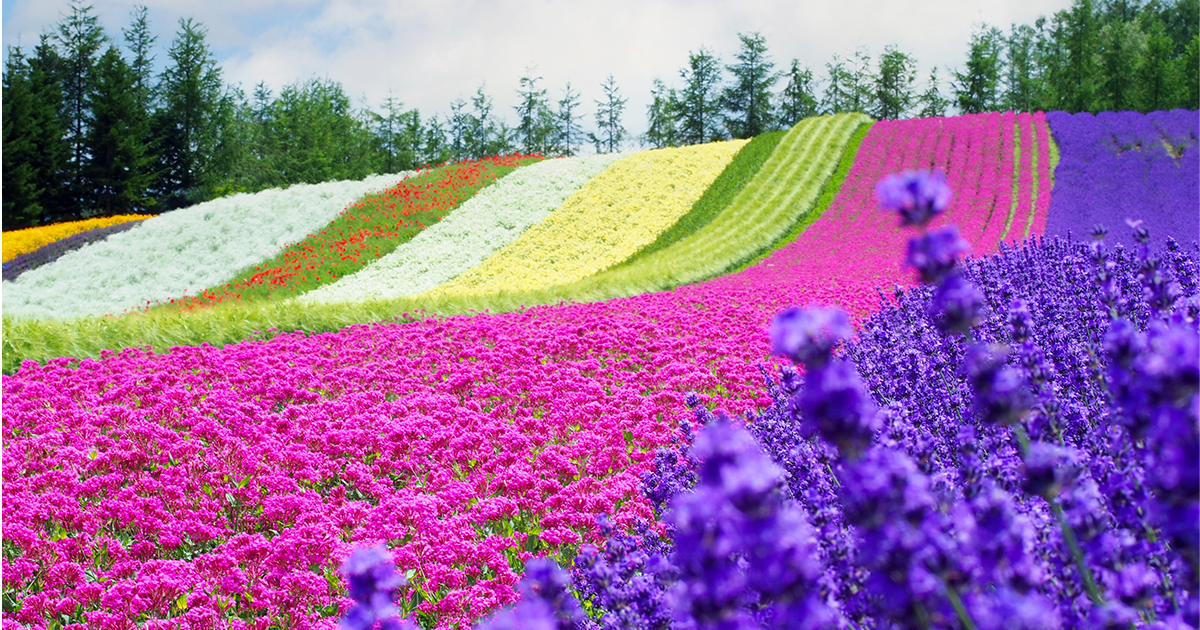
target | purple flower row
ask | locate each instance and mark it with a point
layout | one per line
(51, 252)
(1119, 166)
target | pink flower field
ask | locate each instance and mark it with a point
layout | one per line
(213, 488)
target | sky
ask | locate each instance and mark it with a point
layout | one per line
(427, 54)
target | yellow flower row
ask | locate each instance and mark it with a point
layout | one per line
(607, 220)
(19, 242)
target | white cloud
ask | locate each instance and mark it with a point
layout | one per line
(429, 53)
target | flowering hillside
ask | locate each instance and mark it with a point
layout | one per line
(228, 486)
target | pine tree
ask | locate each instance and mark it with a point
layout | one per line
(700, 100)
(118, 168)
(22, 190)
(610, 134)
(747, 101)
(797, 100)
(1022, 87)
(976, 90)
(932, 103)
(661, 117)
(79, 37)
(1120, 50)
(186, 124)
(838, 97)
(1080, 39)
(437, 147)
(894, 83)
(568, 135)
(535, 121)
(1154, 77)
(862, 83)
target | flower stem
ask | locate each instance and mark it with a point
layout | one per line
(960, 609)
(1085, 572)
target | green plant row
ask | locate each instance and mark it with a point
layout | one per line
(785, 191)
(719, 196)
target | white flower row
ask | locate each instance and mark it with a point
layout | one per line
(483, 224)
(181, 252)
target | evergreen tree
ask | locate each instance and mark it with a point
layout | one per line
(1188, 68)
(1022, 91)
(140, 41)
(976, 90)
(23, 191)
(482, 135)
(535, 122)
(437, 148)
(568, 135)
(1080, 43)
(797, 100)
(700, 100)
(186, 124)
(838, 97)
(318, 135)
(748, 100)
(662, 114)
(1154, 76)
(862, 83)
(389, 131)
(118, 169)
(610, 134)
(79, 37)
(456, 132)
(1120, 47)
(894, 92)
(932, 103)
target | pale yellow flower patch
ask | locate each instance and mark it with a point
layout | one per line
(606, 221)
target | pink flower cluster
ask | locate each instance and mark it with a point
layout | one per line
(209, 487)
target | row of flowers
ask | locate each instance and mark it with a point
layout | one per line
(17, 242)
(490, 220)
(365, 232)
(56, 249)
(616, 213)
(210, 486)
(1118, 165)
(188, 250)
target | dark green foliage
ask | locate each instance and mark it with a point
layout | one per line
(535, 122)
(931, 100)
(314, 135)
(748, 100)
(662, 115)
(894, 84)
(700, 99)
(839, 96)
(35, 146)
(1022, 87)
(186, 123)
(797, 100)
(732, 180)
(118, 168)
(977, 89)
(80, 39)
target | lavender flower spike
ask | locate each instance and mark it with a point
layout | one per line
(917, 196)
(808, 336)
(933, 254)
(372, 581)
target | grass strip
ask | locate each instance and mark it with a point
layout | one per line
(728, 184)
(828, 192)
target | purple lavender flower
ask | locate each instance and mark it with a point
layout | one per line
(372, 581)
(934, 253)
(809, 336)
(545, 581)
(1001, 394)
(1048, 468)
(956, 306)
(835, 402)
(917, 196)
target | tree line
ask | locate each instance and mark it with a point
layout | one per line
(90, 130)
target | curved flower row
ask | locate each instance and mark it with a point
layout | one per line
(52, 251)
(366, 231)
(1127, 165)
(466, 237)
(189, 249)
(19, 242)
(609, 219)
